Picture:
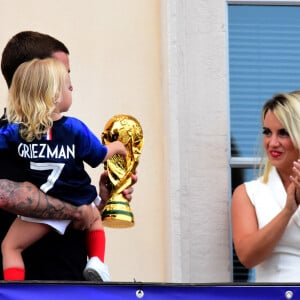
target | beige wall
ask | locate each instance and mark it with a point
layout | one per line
(115, 68)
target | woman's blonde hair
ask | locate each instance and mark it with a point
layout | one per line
(286, 108)
(36, 88)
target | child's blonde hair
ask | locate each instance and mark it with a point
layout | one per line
(36, 88)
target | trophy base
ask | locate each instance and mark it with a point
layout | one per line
(112, 222)
(117, 214)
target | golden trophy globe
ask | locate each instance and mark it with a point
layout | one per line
(126, 129)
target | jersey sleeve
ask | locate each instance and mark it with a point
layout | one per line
(9, 134)
(89, 146)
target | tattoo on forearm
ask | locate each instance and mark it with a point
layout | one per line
(25, 199)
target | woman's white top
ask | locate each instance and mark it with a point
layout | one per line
(283, 265)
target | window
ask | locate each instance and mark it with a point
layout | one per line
(264, 59)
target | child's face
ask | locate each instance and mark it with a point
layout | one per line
(66, 102)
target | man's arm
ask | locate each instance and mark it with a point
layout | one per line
(105, 193)
(26, 199)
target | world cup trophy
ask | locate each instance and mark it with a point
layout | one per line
(126, 129)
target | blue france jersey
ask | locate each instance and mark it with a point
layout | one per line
(56, 162)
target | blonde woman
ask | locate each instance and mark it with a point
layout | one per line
(265, 211)
(54, 147)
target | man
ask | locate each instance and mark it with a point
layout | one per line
(55, 257)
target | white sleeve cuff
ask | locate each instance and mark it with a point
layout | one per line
(98, 200)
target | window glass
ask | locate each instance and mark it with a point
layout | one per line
(264, 59)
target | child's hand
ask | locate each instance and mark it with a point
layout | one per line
(121, 149)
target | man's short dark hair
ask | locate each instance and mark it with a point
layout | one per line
(25, 46)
